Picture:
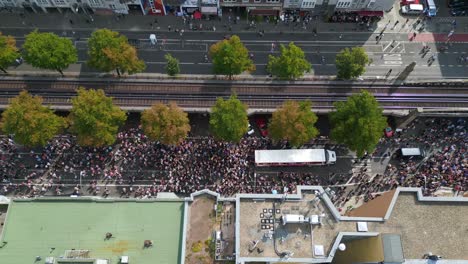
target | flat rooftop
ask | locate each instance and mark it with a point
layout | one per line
(297, 238)
(424, 226)
(439, 227)
(49, 228)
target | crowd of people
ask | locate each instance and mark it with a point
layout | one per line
(195, 164)
(140, 167)
(445, 142)
(447, 162)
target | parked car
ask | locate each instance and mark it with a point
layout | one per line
(409, 2)
(262, 126)
(412, 9)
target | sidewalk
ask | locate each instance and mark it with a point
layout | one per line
(137, 23)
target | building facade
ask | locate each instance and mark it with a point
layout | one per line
(206, 7)
(253, 7)
(362, 5)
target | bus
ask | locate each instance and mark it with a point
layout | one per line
(294, 157)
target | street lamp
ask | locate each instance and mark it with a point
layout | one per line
(255, 182)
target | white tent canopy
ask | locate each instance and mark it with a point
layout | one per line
(4, 199)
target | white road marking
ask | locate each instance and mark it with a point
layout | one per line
(393, 62)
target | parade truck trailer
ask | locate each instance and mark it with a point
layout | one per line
(294, 157)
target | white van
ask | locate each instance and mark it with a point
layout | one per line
(412, 9)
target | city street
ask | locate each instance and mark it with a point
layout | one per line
(392, 53)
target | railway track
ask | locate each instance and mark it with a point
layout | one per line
(256, 95)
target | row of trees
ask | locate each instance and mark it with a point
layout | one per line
(230, 57)
(109, 51)
(95, 120)
(358, 122)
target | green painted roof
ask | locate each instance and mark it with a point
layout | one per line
(34, 228)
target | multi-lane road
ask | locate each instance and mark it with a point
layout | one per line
(395, 51)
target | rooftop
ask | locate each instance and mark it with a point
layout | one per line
(438, 227)
(424, 224)
(51, 227)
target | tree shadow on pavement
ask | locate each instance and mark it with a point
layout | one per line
(400, 79)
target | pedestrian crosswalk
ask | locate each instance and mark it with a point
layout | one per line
(392, 59)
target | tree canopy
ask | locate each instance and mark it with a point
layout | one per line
(294, 122)
(290, 64)
(230, 57)
(228, 119)
(49, 51)
(108, 51)
(94, 118)
(168, 124)
(32, 123)
(351, 63)
(172, 65)
(358, 123)
(8, 51)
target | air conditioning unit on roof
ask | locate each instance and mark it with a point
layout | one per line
(124, 260)
(49, 260)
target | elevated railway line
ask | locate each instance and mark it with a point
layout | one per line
(132, 94)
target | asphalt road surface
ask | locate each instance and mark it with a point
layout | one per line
(394, 51)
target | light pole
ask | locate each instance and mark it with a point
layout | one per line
(255, 182)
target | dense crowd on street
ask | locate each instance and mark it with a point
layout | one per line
(142, 168)
(445, 165)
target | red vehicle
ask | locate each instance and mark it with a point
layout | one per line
(388, 132)
(409, 2)
(262, 126)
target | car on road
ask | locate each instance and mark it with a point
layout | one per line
(262, 126)
(409, 2)
(412, 9)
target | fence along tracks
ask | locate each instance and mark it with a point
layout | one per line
(257, 95)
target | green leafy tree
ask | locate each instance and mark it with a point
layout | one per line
(166, 123)
(49, 51)
(290, 64)
(32, 123)
(172, 65)
(228, 119)
(8, 51)
(351, 63)
(108, 51)
(358, 123)
(294, 122)
(230, 57)
(94, 118)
